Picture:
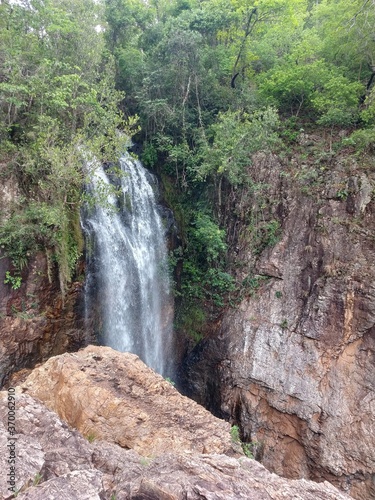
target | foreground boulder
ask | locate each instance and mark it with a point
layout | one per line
(46, 449)
(115, 397)
(200, 477)
(54, 461)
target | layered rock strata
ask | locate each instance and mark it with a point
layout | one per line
(293, 364)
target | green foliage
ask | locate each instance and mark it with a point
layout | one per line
(290, 86)
(37, 479)
(149, 155)
(203, 267)
(58, 102)
(91, 437)
(248, 449)
(263, 234)
(251, 284)
(235, 434)
(270, 232)
(284, 324)
(337, 102)
(316, 86)
(208, 239)
(168, 379)
(191, 319)
(145, 461)
(237, 136)
(218, 284)
(13, 280)
(236, 439)
(342, 194)
(362, 140)
(368, 112)
(204, 283)
(38, 226)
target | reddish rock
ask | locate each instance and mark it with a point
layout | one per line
(34, 324)
(116, 397)
(293, 364)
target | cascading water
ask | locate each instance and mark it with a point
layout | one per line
(127, 291)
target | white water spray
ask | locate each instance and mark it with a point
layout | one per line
(127, 290)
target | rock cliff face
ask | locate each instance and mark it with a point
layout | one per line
(293, 364)
(34, 322)
(55, 461)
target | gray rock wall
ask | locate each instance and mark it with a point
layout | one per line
(293, 364)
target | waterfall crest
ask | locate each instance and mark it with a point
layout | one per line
(128, 297)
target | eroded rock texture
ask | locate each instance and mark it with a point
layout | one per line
(35, 323)
(55, 461)
(46, 449)
(116, 397)
(200, 477)
(293, 364)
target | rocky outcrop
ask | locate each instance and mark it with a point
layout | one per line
(200, 477)
(293, 364)
(45, 447)
(55, 461)
(115, 397)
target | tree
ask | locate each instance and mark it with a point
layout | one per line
(58, 101)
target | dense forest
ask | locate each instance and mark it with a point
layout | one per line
(202, 86)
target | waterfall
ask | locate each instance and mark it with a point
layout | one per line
(128, 298)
